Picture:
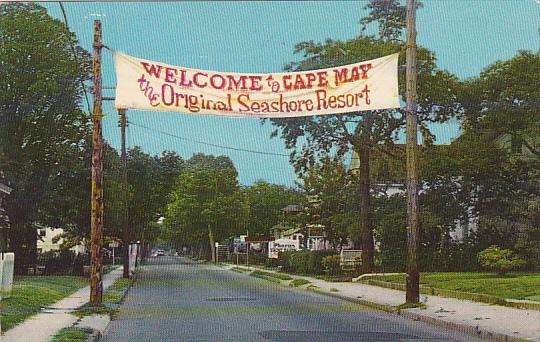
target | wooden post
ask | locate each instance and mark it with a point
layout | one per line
(96, 269)
(413, 276)
(125, 223)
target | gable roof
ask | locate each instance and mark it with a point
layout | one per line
(5, 189)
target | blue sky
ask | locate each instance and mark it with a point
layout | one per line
(466, 36)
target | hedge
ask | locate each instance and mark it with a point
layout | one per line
(303, 262)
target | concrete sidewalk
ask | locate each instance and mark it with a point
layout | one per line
(491, 321)
(43, 326)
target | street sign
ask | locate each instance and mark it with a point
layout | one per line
(113, 244)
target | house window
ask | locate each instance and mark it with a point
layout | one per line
(294, 237)
(42, 232)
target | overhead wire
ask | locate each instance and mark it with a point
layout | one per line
(75, 56)
(210, 144)
(238, 149)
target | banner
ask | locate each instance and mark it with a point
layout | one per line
(148, 85)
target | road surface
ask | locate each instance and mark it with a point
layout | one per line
(175, 299)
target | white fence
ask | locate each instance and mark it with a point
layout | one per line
(222, 252)
(350, 258)
(7, 263)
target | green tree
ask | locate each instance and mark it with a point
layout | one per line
(331, 188)
(42, 128)
(389, 15)
(206, 205)
(266, 202)
(313, 138)
(490, 173)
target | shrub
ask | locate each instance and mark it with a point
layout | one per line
(331, 264)
(57, 262)
(303, 262)
(499, 260)
(299, 262)
(316, 261)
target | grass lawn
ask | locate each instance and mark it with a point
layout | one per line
(71, 334)
(517, 285)
(32, 293)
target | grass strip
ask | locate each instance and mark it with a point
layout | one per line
(33, 293)
(299, 282)
(72, 334)
(262, 276)
(478, 287)
(335, 279)
(240, 269)
(112, 298)
(279, 276)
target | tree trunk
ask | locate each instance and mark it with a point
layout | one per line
(366, 227)
(212, 244)
(22, 237)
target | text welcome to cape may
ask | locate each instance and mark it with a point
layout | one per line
(147, 85)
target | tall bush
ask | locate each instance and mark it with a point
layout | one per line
(499, 260)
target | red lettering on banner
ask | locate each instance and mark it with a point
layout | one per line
(167, 89)
(323, 82)
(286, 82)
(151, 69)
(310, 78)
(342, 76)
(299, 82)
(343, 100)
(169, 75)
(255, 85)
(182, 82)
(213, 81)
(196, 79)
(144, 86)
(365, 68)
(236, 83)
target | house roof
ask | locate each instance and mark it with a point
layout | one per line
(290, 231)
(5, 189)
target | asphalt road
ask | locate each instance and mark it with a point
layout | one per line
(175, 299)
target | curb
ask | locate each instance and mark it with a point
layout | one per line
(407, 313)
(95, 336)
(382, 307)
(98, 334)
(463, 328)
(474, 331)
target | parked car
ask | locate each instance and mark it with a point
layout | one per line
(159, 252)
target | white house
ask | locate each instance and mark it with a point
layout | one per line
(46, 241)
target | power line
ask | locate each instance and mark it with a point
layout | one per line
(75, 56)
(210, 144)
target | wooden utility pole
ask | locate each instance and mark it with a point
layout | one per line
(96, 268)
(413, 276)
(125, 224)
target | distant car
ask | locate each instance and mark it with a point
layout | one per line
(159, 252)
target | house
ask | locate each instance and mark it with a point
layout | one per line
(310, 236)
(49, 240)
(316, 238)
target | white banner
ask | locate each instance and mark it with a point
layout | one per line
(147, 85)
